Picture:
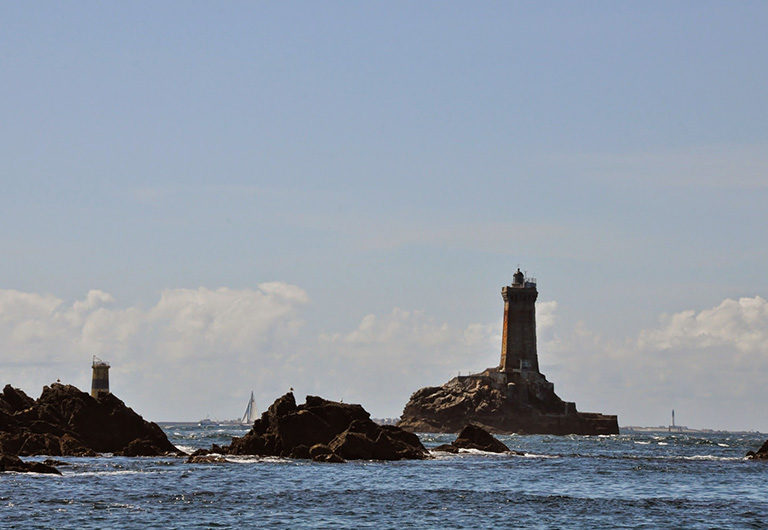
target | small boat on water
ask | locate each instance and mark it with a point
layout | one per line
(249, 416)
(206, 422)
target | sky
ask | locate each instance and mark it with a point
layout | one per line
(328, 196)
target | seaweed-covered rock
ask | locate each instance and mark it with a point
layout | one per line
(326, 431)
(64, 421)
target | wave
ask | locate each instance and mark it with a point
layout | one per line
(65, 472)
(713, 457)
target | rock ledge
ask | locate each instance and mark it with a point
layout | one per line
(501, 403)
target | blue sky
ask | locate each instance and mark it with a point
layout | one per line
(384, 157)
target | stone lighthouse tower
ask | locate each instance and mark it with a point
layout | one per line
(518, 342)
(100, 380)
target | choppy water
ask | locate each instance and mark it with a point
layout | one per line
(629, 480)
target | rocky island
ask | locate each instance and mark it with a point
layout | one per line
(323, 430)
(511, 398)
(64, 421)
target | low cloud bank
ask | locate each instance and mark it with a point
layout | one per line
(201, 351)
(709, 365)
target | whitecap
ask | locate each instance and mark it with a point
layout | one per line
(118, 472)
(713, 457)
(477, 452)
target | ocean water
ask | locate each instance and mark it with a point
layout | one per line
(648, 480)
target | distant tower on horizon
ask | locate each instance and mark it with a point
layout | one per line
(100, 379)
(518, 342)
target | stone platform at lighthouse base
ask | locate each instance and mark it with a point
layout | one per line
(521, 402)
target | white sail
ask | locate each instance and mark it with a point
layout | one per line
(250, 411)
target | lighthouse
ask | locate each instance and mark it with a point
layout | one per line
(100, 379)
(518, 341)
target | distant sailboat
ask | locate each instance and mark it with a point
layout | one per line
(250, 412)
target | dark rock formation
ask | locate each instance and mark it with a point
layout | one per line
(473, 437)
(761, 454)
(67, 422)
(326, 431)
(14, 463)
(524, 403)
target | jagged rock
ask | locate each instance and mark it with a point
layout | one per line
(14, 400)
(353, 446)
(320, 428)
(761, 454)
(140, 447)
(473, 437)
(64, 421)
(500, 403)
(14, 463)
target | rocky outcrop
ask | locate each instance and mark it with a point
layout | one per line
(473, 437)
(67, 422)
(14, 463)
(761, 454)
(325, 431)
(497, 402)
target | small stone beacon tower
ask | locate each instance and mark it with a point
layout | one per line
(100, 380)
(518, 342)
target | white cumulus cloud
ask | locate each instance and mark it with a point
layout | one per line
(710, 365)
(190, 349)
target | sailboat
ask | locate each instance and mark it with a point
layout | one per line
(250, 412)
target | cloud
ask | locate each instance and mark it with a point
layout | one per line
(181, 350)
(740, 324)
(709, 364)
(387, 357)
(199, 351)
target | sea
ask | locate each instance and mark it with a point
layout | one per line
(630, 480)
